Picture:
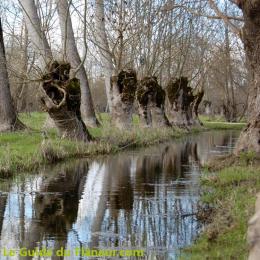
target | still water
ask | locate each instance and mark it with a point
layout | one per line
(143, 199)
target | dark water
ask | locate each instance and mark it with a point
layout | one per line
(142, 199)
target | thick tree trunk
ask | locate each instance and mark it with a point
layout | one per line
(104, 50)
(151, 100)
(56, 97)
(72, 55)
(8, 116)
(60, 97)
(249, 139)
(183, 103)
(122, 91)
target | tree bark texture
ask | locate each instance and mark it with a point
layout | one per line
(8, 115)
(122, 90)
(36, 33)
(151, 101)
(249, 139)
(104, 50)
(60, 97)
(72, 56)
(183, 103)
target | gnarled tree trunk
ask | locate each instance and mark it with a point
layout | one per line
(122, 91)
(8, 116)
(71, 51)
(249, 139)
(151, 101)
(183, 103)
(60, 97)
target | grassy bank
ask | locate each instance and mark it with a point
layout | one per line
(232, 193)
(27, 150)
(219, 123)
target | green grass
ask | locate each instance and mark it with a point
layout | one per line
(231, 193)
(218, 123)
(26, 150)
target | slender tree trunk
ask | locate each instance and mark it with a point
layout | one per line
(23, 89)
(36, 34)
(195, 107)
(72, 55)
(249, 139)
(8, 116)
(104, 51)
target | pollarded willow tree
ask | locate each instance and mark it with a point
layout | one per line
(151, 102)
(60, 93)
(183, 103)
(120, 80)
(8, 116)
(249, 139)
(123, 88)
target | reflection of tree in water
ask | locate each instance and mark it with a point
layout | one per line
(120, 193)
(56, 205)
(167, 167)
(3, 199)
(160, 216)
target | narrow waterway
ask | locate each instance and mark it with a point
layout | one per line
(142, 199)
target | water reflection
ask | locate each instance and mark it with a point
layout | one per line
(144, 199)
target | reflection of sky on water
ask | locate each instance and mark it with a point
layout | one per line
(141, 199)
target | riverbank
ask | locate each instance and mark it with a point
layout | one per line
(28, 150)
(229, 195)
